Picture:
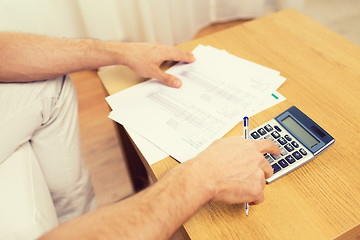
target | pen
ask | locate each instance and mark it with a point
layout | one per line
(246, 136)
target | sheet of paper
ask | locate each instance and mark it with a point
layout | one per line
(153, 153)
(182, 122)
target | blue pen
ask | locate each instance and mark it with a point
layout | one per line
(246, 136)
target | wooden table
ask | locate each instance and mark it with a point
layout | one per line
(320, 200)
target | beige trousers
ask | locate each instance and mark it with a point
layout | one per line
(45, 114)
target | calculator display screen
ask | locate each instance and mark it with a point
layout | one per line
(304, 135)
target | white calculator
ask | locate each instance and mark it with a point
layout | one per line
(299, 138)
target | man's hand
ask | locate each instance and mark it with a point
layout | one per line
(231, 170)
(236, 169)
(145, 59)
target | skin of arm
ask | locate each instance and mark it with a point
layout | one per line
(231, 170)
(31, 57)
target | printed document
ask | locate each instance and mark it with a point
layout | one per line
(218, 90)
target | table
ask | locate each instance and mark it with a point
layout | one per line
(320, 200)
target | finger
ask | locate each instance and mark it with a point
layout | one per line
(259, 200)
(256, 187)
(268, 171)
(182, 56)
(268, 146)
(169, 79)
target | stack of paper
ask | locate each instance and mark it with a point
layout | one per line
(218, 90)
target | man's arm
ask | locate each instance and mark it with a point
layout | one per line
(31, 57)
(231, 170)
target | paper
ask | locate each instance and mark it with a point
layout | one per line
(151, 152)
(154, 154)
(218, 90)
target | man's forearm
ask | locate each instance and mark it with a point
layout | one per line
(230, 170)
(30, 57)
(154, 213)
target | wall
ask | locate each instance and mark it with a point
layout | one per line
(167, 21)
(52, 17)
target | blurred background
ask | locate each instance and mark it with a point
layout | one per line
(167, 21)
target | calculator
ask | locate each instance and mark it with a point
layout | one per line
(300, 140)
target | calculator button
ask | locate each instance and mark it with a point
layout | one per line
(282, 141)
(283, 151)
(276, 167)
(297, 155)
(283, 163)
(269, 137)
(255, 135)
(269, 158)
(276, 157)
(261, 131)
(303, 152)
(289, 147)
(277, 128)
(275, 135)
(290, 159)
(287, 137)
(268, 128)
(295, 144)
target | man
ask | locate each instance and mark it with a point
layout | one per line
(231, 170)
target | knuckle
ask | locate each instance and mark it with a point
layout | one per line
(259, 175)
(258, 185)
(258, 157)
(268, 142)
(257, 190)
